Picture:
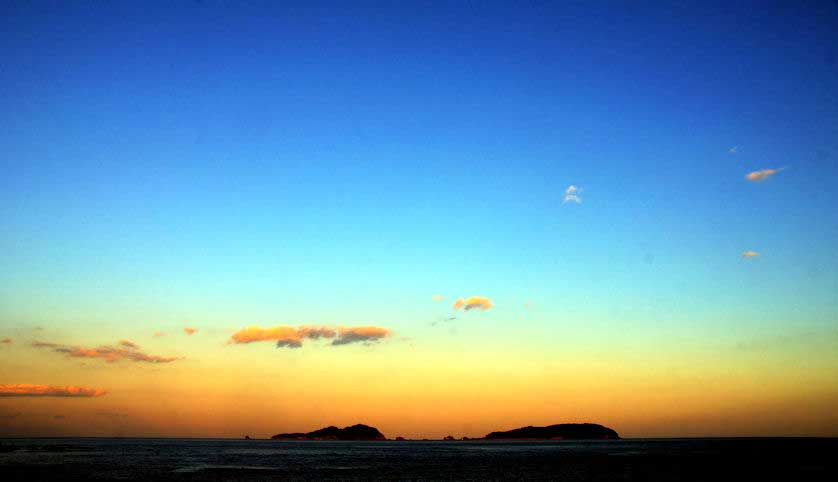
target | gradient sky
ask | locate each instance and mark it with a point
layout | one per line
(218, 165)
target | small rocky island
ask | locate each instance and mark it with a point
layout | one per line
(562, 431)
(355, 432)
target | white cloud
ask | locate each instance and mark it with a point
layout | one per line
(571, 195)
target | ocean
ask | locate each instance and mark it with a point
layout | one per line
(36, 459)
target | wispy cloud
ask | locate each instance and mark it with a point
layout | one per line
(107, 353)
(572, 195)
(6, 340)
(44, 344)
(31, 390)
(443, 319)
(293, 337)
(437, 298)
(758, 176)
(129, 344)
(473, 302)
(189, 330)
(750, 254)
(733, 150)
(360, 334)
(111, 414)
(157, 334)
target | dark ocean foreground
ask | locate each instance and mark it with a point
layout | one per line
(641, 460)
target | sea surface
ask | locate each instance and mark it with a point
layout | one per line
(37, 459)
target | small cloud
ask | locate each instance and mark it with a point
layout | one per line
(759, 176)
(157, 334)
(58, 417)
(6, 340)
(189, 330)
(750, 254)
(108, 353)
(43, 344)
(527, 304)
(38, 328)
(443, 319)
(10, 416)
(32, 390)
(571, 195)
(437, 298)
(289, 343)
(733, 150)
(360, 334)
(129, 344)
(473, 302)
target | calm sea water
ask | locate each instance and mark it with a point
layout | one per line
(202, 459)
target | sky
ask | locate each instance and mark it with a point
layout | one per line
(228, 218)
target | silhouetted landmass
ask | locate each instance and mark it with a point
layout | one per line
(355, 432)
(562, 431)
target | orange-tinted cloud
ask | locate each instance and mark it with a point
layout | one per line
(284, 336)
(276, 333)
(316, 332)
(157, 334)
(437, 298)
(757, 176)
(31, 390)
(750, 254)
(360, 334)
(189, 330)
(129, 344)
(473, 302)
(6, 340)
(108, 353)
(291, 337)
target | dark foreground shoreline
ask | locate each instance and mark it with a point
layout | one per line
(238, 460)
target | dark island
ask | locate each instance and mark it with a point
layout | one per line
(355, 432)
(563, 431)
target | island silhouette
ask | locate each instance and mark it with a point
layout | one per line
(354, 432)
(563, 431)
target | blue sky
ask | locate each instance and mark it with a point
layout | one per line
(216, 165)
(295, 163)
